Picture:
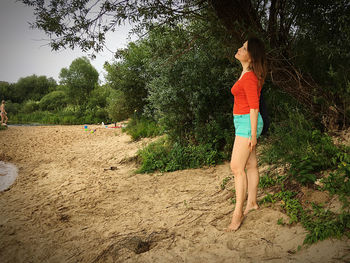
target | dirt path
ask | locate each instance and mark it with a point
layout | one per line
(67, 205)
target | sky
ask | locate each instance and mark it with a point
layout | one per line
(25, 51)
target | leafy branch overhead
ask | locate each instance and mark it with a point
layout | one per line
(85, 23)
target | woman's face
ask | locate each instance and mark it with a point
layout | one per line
(242, 53)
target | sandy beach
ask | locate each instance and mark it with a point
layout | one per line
(77, 199)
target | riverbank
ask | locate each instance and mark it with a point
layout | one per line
(77, 199)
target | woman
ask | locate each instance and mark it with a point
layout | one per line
(3, 113)
(248, 127)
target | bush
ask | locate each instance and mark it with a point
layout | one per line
(55, 100)
(30, 106)
(12, 108)
(165, 156)
(296, 141)
(142, 127)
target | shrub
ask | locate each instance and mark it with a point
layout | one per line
(30, 106)
(296, 141)
(54, 100)
(142, 127)
(12, 108)
(166, 156)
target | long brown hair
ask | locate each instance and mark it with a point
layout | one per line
(256, 50)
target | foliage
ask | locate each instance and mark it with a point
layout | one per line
(30, 106)
(338, 182)
(117, 106)
(296, 141)
(12, 108)
(54, 100)
(80, 78)
(323, 38)
(69, 115)
(98, 97)
(8, 92)
(85, 24)
(142, 127)
(271, 179)
(129, 76)
(165, 156)
(319, 222)
(28, 88)
(190, 96)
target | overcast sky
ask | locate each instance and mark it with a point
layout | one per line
(24, 51)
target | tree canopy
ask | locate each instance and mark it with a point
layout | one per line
(288, 28)
(80, 79)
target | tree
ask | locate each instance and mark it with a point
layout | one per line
(33, 87)
(7, 91)
(129, 75)
(281, 24)
(80, 79)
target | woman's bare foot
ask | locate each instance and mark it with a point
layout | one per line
(250, 208)
(235, 223)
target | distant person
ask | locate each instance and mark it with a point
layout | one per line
(248, 124)
(4, 118)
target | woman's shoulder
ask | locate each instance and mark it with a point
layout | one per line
(250, 75)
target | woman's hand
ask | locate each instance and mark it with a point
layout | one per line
(252, 141)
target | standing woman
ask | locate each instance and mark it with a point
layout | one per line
(3, 113)
(248, 127)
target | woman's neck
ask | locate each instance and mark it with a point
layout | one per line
(245, 66)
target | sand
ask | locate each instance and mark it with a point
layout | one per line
(77, 199)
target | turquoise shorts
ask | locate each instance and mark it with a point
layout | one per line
(243, 127)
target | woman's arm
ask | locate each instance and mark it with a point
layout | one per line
(253, 124)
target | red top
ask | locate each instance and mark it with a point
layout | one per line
(246, 93)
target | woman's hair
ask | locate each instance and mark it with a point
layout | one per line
(257, 54)
(3, 101)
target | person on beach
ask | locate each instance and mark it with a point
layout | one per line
(248, 125)
(4, 118)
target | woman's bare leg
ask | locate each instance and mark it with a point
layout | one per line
(253, 182)
(240, 155)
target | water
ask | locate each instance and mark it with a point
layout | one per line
(8, 174)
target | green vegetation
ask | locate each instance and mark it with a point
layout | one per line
(321, 223)
(141, 128)
(316, 153)
(77, 100)
(306, 149)
(165, 156)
